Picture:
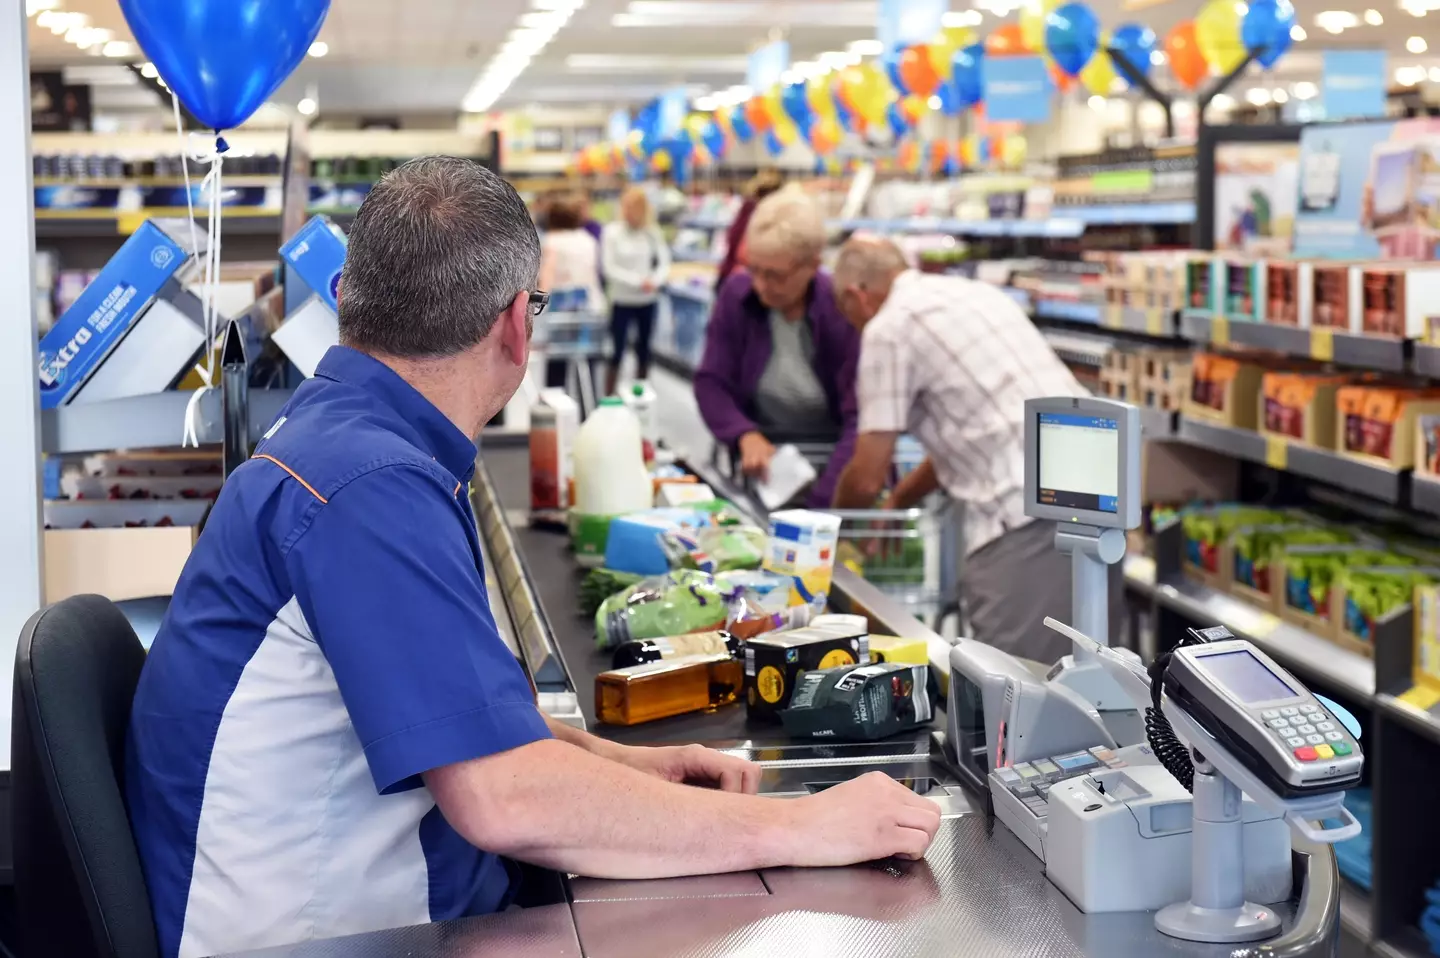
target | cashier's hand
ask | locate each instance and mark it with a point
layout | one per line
(755, 455)
(864, 819)
(695, 765)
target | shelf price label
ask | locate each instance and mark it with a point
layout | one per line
(1277, 452)
(1113, 317)
(1220, 331)
(1322, 343)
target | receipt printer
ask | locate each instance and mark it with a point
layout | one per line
(134, 330)
(316, 255)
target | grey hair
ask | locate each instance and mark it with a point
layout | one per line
(869, 262)
(439, 249)
(789, 221)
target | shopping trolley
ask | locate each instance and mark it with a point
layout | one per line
(577, 337)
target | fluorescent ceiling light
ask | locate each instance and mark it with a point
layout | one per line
(707, 104)
(118, 48)
(934, 103)
(866, 48)
(1280, 96)
(1305, 90)
(1223, 101)
(1157, 58)
(1416, 45)
(549, 19)
(757, 13)
(619, 63)
(566, 5)
(148, 71)
(1097, 103)
(33, 7)
(1336, 21)
(319, 48)
(835, 60)
(307, 107)
(1259, 96)
(1374, 18)
(1434, 75)
(962, 18)
(1298, 34)
(1407, 76)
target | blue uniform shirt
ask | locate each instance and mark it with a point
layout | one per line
(329, 640)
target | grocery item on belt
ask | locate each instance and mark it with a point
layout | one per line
(893, 648)
(802, 545)
(715, 549)
(859, 702)
(656, 690)
(762, 604)
(554, 423)
(600, 584)
(673, 604)
(634, 543)
(641, 651)
(774, 661)
(610, 477)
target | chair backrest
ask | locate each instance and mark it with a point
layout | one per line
(79, 887)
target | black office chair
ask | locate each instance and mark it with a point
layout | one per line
(78, 883)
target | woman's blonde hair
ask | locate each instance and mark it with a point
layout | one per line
(633, 193)
(789, 221)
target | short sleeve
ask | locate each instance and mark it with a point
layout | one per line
(884, 383)
(391, 590)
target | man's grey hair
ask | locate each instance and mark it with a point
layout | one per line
(869, 262)
(439, 249)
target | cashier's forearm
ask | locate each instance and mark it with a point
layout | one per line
(553, 804)
(911, 490)
(582, 739)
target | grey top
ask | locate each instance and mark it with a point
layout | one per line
(790, 402)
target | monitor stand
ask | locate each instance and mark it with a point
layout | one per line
(1092, 551)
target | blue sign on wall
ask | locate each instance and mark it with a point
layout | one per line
(903, 22)
(1353, 83)
(767, 65)
(1016, 89)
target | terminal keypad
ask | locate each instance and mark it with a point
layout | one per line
(1308, 731)
(1031, 781)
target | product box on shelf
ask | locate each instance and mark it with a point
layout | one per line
(140, 279)
(1242, 289)
(1201, 285)
(1427, 445)
(1286, 299)
(1368, 596)
(1206, 540)
(1314, 581)
(1164, 379)
(1300, 407)
(1333, 296)
(1224, 390)
(1399, 300)
(1120, 376)
(1254, 552)
(1378, 424)
(1425, 672)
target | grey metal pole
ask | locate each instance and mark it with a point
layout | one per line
(21, 569)
(235, 398)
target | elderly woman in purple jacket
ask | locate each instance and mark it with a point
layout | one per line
(779, 363)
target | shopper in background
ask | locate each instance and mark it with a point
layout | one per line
(779, 362)
(952, 361)
(329, 735)
(636, 262)
(760, 186)
(569, 266)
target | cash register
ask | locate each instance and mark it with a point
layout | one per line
(1194, 820)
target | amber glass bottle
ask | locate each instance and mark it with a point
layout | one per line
(656, 690)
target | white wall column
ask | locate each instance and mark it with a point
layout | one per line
(20, 540)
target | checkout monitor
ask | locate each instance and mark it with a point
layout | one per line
(1082, 462)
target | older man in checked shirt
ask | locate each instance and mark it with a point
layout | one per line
(951, 361)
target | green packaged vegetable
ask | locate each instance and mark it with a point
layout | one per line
(716, 549)
(1311, 571)
(1207, 527)
(682, 601)
(600, 584)
(1373, 593)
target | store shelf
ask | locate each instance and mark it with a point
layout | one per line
(1157, 423)
(1425, 494)
(1057, 228)
(1128, 214)
(1068, 311)
(49, 226)
(1417, 720)
(1377, 482)
(147, 422)
(1427, 360)
(1327, 345)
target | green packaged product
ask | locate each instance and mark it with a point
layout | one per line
(673, 604)
(715, 549)
(1312, 570)
(859, 703)
(1373, 593)
(600, 584)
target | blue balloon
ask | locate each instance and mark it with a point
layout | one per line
(951, 166)
(966, 78)
(224, 59)
(1072, 34)
(744, 132)
(1136, 43)
(949, 99)
(773, 146)
(796, 106)
(1267, 24)
(896, 118)
(680, 147)
(638, 171)
(891, 62)
(713, 138)
(844, 116)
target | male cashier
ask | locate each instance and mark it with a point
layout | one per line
(329, 736)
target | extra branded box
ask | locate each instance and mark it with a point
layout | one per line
(105, 312)
(317, 254)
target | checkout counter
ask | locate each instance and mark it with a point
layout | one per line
(980, 890)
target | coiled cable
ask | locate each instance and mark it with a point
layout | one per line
(1173, 754)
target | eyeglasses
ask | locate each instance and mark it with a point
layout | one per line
(539, 299)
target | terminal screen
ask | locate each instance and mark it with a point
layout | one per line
(1079, 462)
(1246, 677)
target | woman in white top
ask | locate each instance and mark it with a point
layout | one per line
(636, 263)
(569, 268)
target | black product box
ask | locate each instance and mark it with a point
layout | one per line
(774, 661)
(860, 703)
